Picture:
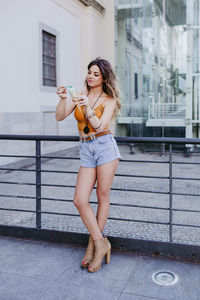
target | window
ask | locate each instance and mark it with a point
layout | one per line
(48, 58)
(136, 86)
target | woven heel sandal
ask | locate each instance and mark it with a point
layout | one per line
(102, 247)
(89, 254)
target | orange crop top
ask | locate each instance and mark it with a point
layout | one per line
(81, 119)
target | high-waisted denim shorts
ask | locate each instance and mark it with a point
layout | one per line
(98, 151)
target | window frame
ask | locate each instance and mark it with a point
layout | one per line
(50, 30)
(136, 86)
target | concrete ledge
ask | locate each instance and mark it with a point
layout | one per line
(142, 247)
(94, 4)
(165, 122)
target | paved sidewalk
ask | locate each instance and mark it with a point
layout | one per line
(44, 271)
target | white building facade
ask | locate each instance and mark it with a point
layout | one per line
(45, 44)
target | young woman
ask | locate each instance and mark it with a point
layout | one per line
(99, 154)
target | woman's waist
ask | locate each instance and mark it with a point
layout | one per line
(94, 134)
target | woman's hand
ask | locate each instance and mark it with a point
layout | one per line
(62, 92)
(81, 100)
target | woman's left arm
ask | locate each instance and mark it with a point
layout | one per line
(99, 124)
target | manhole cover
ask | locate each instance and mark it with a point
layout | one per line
(164, 278)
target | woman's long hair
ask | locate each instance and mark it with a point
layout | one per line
(109, 85)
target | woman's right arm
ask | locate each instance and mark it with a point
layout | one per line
(64, 108)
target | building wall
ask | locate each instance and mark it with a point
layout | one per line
(20, 52)
(82, 34)
(80, 38)
(22, 94)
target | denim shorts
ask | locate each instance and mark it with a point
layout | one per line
(98, 151)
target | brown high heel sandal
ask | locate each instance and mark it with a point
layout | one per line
(89, 254)
(102, 247)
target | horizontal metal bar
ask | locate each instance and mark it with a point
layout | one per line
(95, 202)
(92, 202)
(60, 157)
(121, 160)
(15, 196)
(58, 185)
(18, 183)
(118, 139)
(18, 210)
(185, 163)
(144, 161)
(16, 170)
(110, 218)
(158, 140)
(16, 156)
(112, 189)
(55, 199)
(60, 214)
(186, 225)
(138, 221)
(185, 178)
(142, 176)
(134, 205)
(137, 206)
(39, 137)
(121, 175)
(186, 210)
(126, 160)
(185, 194)
(57, 171)
(140, 191)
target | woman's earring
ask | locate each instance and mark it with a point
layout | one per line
(104, 87)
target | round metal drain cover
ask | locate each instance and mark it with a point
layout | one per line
(164, 278)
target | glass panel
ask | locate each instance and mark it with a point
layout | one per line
(196, 49)
(196, 11)
(151, 41)
(196, 98)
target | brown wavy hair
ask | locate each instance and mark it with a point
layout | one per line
(109, 86)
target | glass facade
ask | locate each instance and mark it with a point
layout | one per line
(158, 65)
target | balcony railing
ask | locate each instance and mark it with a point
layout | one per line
(131, 3)
(166, 110)
(131, 110)
(162, 217)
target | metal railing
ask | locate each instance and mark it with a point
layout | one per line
(166, 110)
(170, 142)
(131, 110)
(130, 3)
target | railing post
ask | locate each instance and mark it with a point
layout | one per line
(162, 149)
(38, 184)
(170, 192)
(149, 113)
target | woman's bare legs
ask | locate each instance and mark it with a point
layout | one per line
(105, 175)
(84, 185)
